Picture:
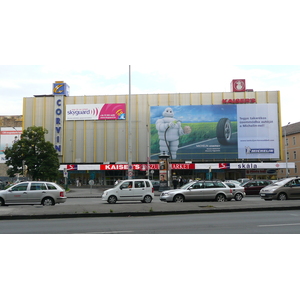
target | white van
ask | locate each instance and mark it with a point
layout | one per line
(129, 190)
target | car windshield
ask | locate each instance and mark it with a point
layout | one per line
(187, 185)
(281, 182)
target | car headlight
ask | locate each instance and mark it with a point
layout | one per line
(166, 193)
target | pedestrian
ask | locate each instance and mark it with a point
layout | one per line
(175, 183)
(180, 181)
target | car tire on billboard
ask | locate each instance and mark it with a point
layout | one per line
(224, 131)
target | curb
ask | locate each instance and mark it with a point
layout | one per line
(150, 213)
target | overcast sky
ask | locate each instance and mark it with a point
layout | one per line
(172, 47)
(17, 82)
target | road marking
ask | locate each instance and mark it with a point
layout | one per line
(274, 225)
(107, 232)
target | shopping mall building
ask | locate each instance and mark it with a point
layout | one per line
(224, 135)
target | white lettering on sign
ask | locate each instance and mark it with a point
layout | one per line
(58, 124)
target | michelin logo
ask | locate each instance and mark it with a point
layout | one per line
(259, 150)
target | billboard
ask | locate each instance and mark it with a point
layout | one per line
(219, 132)
(79, 112)
(8, 136)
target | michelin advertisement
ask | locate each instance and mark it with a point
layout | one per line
(234, 131)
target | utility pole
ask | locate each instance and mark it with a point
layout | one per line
(129, 130)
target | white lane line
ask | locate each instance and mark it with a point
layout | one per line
(274, 225)
(107, 232)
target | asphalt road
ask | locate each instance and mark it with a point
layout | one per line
(267, 222)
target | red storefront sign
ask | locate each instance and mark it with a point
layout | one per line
(143, 167)
(238, 85)
(238, 101)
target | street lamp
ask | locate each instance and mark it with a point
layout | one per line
(285, 148)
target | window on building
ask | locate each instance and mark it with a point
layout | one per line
(286, 141)
(294, 140)
(287, 155)
(295, 154)
(296, 169)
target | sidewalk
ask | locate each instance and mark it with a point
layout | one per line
(127, 209)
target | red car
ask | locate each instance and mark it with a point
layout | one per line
(253, 187)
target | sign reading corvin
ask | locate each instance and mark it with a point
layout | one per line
(58, 123)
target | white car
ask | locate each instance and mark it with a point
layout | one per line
(129, 190)
(233, 181)
(33, 192)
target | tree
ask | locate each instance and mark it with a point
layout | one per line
(39, 157)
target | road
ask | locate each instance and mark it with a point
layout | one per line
(268, 222)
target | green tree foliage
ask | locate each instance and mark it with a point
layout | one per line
(32, 150)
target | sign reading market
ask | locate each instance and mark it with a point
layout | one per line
(81, 112)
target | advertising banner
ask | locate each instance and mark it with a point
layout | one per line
(8, 136)
(234, 131)
(79, 112)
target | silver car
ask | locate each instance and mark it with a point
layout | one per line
(284, 189)
(33, 192)
(198, 190)
(238, 191)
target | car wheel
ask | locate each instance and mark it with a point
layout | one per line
(48, 202)
(224, 131)
(1, 202)
(178, 198)
(147, 199)
(238, 197)
(282, 197)
(220, 198)
(112, 199)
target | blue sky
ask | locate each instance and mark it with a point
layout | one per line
(196, 114)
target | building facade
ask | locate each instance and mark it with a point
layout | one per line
(224, 135)
(10, 131)
(291, 149)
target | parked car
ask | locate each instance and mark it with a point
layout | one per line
(237, 190)
(155, 184)
(233, 181)
(198, 190)
(285, 189)
(243, 180)
(129, 190)
(253, 187)
(33, 192)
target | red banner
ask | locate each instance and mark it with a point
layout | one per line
(143, 167)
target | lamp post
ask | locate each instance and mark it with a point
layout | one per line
(285, 148)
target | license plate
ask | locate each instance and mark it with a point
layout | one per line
(263, 195)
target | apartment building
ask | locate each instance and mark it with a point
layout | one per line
(291, 149)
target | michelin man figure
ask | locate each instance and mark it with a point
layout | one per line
(172, 127)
